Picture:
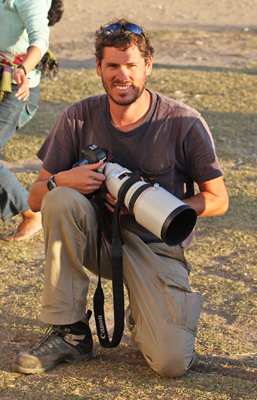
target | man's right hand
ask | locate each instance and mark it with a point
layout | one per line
(84, 179)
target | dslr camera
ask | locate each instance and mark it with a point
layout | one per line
(153, 207)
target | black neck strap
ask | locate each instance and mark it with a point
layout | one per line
(117, 272)
(118, 293)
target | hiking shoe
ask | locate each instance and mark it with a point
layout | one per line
(60, 343)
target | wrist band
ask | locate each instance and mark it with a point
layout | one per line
(22, 67)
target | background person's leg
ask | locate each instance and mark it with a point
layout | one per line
(13, 197)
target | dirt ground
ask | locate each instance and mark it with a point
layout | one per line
(198, 38)
(72, 39)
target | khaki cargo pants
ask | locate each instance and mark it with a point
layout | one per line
(163, 312)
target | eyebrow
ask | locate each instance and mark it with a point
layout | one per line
(112, 64)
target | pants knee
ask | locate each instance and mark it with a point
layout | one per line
(57, 198)
(65, 208)
(62, 199)
(170, 353)
(171, 364)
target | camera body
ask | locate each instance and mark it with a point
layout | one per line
(153, 207)
(91, 155)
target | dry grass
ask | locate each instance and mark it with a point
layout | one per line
(223, 257)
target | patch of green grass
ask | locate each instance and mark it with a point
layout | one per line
(223, 256)
(227, 100)
(248, 38)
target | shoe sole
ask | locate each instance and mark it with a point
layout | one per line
(84, 357)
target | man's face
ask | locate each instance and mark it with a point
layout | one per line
(123, 74)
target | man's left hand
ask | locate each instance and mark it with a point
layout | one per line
(110, 204)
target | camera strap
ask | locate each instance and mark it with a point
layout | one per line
(117, 284)
(117, 272)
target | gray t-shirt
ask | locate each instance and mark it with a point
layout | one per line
(173, 146)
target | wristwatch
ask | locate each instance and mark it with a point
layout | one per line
(51, 184)
(22, 67)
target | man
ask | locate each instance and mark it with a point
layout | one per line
(170, 144)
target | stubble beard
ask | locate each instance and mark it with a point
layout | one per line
(137, 91)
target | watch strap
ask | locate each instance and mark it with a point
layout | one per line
(22, 67)
(51, 184)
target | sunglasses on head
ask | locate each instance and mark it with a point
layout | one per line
(126, 27)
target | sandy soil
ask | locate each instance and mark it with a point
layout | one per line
(72, 39)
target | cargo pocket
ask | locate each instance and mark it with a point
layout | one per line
(182, 306)
(28, 111)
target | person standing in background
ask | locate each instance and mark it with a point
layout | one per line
(24, 41)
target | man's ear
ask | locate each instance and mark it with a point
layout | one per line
(149, 66)
(98, 67)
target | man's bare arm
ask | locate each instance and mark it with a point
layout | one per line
(84, 179)
(212, 199)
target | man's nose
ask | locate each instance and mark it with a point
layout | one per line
(122, 74)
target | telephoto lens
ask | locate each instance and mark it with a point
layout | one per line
(154, 208)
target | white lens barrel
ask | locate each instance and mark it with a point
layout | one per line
(154, 208)
(161, 213)
(115, 176)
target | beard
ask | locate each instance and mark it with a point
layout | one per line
(124, 99)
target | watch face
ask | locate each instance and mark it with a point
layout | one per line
(51, 183)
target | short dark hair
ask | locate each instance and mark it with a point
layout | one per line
(55, 12)
(122, 40)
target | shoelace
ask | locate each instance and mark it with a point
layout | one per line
(51, 330)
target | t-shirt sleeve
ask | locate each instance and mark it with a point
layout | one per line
(34, 14)
(199, 149)
(58, 150)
